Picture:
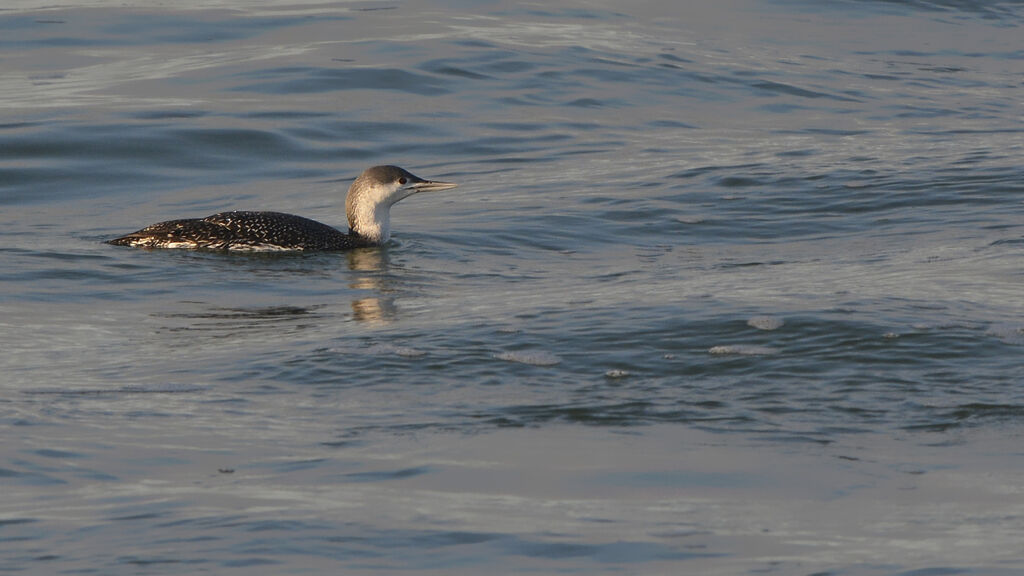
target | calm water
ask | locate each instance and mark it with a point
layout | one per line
(725, 289)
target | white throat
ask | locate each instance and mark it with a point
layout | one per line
(371, 196)
(372, 221)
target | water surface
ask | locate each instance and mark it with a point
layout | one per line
(724, 289)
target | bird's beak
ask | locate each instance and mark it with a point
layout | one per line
(430, 186)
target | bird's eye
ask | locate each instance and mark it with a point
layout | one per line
(403, 180)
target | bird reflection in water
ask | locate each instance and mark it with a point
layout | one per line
(373, 262)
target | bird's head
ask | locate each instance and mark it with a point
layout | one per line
(369, 200)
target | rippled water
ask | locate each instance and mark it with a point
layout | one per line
(725, 288)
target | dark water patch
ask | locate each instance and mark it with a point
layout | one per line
(605, 75)
(789, 90)
(4, 522)
(1000, 13)
(592, 103)
(916, 111)
(250, 562)
(383, 475)
(444, 68)
(180, 29)
(508, 67)
(113, 28)
(18, 125)
(155, 560)
(797, 153)
(240, 324)
(26, 186)
(245, 315)
(298, 465)
(163, 388)
(27, 473)
(280, 525)
(167, 114)
(347, 131)
(216, 145)
(287, 115)
(781, 108)
(312, 79)
(681, 479)
(80, 276)
(936, 571)
(60, 257)
(484, 546)
(473, 43)
(703, 170)
(807, 383)
(574, 14)
(518, 126)
(508, 145)
(74, 160)
(674, 58)
(977, 414)
(672, 124)
(614, 413)
(444, 539)
(207, 522)
(522, 101)
(53, 453)
(739, 182)
(139, 516)
(620, 552)
(774, 203)
(1008, 241)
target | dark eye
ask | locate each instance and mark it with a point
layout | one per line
(403, 180)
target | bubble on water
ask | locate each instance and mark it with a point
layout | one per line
(743, 350)
(615, 373)
(531, 358)
(766, 322)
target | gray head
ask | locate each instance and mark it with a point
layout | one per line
(371, 196)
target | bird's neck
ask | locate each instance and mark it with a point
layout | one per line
(372, 223)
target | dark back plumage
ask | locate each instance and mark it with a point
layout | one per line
(241, 230)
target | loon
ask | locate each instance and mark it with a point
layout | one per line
(368, 206)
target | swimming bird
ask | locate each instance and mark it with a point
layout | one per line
(368, 206)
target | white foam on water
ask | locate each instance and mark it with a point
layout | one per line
(1009, 333)
(743, 350)
(531, 358)
(766, 322)
(403, 351)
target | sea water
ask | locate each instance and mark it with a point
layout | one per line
(726, 287)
